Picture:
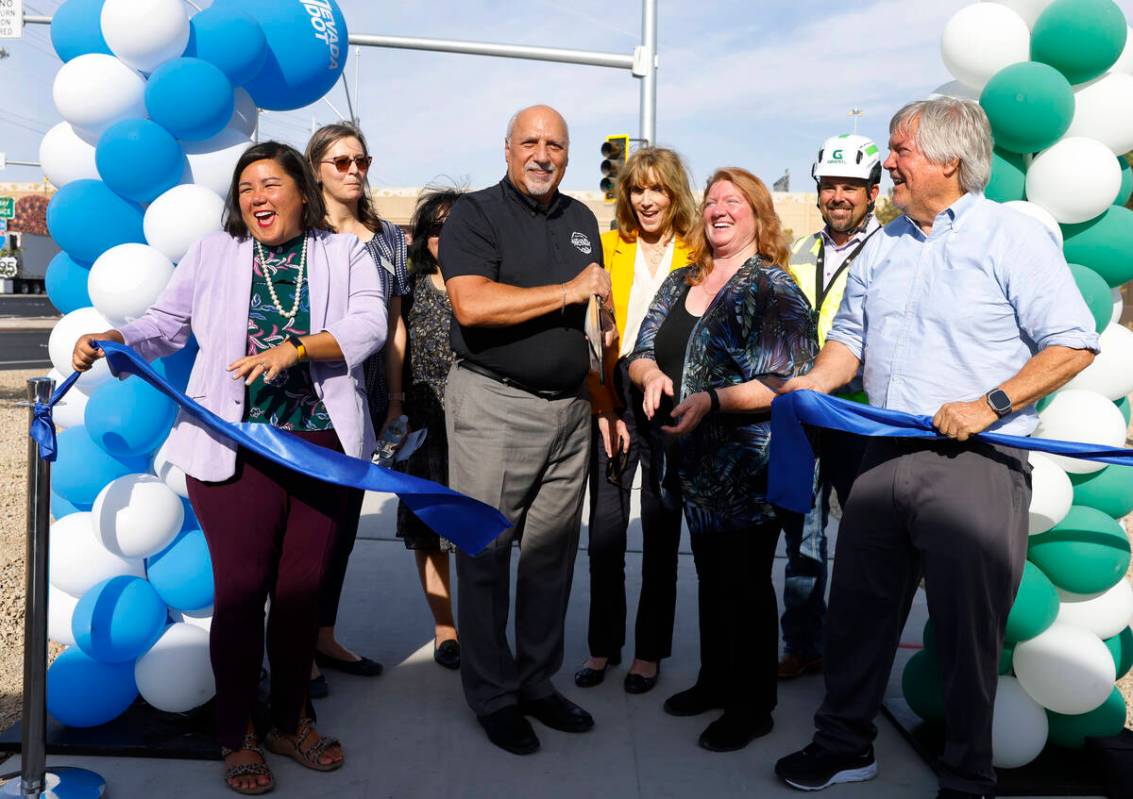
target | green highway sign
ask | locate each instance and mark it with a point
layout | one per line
(7, 207)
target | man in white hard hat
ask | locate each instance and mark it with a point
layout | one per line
(847, 173)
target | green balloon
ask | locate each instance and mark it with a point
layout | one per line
(1008, 177)
(1126, 181)
(1121, 647)
(1096, 293)
(928, 638)
(923, 687)
(1110, 490)
(1072, 731)
(1035, 607)
(1123, 406)
(1029, 106)
(1104, 244)
(1006, 659)
(1041, 404)
(1085, 553)
(1079, 38)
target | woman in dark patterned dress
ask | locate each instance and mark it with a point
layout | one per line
(718, 339)
(340, 160)
(428, 315)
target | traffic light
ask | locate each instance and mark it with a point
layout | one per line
(614, 152)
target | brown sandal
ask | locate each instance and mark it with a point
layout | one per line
(260, 769)
(291, 746)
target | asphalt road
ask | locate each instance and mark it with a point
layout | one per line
(24, 349)
(26, 305)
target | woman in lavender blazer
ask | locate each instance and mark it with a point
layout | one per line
(284, 313)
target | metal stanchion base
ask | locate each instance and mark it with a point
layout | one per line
(62, 782)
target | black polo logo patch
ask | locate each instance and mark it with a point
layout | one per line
(581, 243)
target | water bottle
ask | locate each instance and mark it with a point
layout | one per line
(391, 439)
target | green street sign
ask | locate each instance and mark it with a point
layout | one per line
(7, 207)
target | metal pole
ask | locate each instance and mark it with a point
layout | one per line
(586, 57)
(649, 78)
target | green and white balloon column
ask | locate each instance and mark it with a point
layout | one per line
(1056, 80)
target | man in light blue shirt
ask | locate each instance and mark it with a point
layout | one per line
(965, 311)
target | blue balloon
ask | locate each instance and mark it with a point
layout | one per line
(230, 40)
(190, 522)
(118, 619)
(307, 49)
(83, 468)
(176, 367)
(61, 507)
(139, 160)
(190, 98)
(82, 692)
(129, 418)
(182, 572)
(66, 283)
(86, 219)
(76, 29)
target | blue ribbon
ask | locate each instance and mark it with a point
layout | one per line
(42, 429)
(468, 523)
(791, 468)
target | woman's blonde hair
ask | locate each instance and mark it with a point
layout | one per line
(670, 176)
(770, 241)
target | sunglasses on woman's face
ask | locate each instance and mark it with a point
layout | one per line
(342, 162)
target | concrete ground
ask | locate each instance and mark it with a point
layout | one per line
(409, 733)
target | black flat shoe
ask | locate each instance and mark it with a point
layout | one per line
(639, 683)
(558, 713)
(317, 688)
(734, 731)
(363, 667)
(448, 654)
(587, 677)
(692, 702)
(510, 731)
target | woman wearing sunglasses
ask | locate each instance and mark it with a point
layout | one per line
(340, 160)
(655, 212)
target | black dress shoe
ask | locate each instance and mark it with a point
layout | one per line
(558, 713)
(587, 677)
(734, 730)
(952, 793)
(639, 683)
(317, 688)
(509, 730)
(693, 702)
(363, 667)
(448, 654)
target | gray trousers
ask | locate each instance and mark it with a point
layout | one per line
(526, 456)
(956, 514)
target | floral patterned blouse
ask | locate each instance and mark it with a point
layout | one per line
(289, 401)
(759, 325)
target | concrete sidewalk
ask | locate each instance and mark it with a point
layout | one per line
(409, 733)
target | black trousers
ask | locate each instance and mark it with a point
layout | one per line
(956, 514)
(661, 534)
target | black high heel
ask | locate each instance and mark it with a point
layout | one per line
(587, 677)
(639, 683)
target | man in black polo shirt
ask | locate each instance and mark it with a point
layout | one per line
(520, 262)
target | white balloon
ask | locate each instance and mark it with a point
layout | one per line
(61, 343)
(1111, 373)
(1075, 179)
(1019, 726)
(198, 618)
(145, 33)
(94, 91)
(60, 609)
(137, 516)
(956, 89)
(1065, 669)
(175, 675)
(1103, 110)
(245, 117)
(78, 559)
(1029, 10)
(71, 410)
(66, 156)
(1085, 416)
(1052, 494)
(1039, 213)
(212, 161)
(1105, 615)
(1125, 60)
(172, 476)
(979, 40)
(126, 280)
(180, 216)
(1118, 306)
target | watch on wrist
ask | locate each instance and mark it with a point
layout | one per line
(297, 343)
(999, 402)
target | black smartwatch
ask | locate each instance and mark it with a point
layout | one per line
(999, 402)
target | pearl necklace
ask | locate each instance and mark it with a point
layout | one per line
(298, 280)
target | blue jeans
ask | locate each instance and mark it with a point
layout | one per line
(804, 591)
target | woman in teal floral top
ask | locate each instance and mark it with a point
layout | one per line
(719, 338)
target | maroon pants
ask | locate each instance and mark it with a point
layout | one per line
(271, 532)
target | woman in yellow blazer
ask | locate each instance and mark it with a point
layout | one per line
(655, 212)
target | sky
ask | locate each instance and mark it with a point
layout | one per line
(759, 85)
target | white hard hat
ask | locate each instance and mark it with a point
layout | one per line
(848, 156)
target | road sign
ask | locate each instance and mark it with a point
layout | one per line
(7, 204)
(11, 19)
(9, 267)
(3, 225)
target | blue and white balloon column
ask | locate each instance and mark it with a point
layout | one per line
(157, 108)
(1056, 80)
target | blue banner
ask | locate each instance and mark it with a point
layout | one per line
(791, 469)
(468, 523)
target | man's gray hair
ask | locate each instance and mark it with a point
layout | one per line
(949, 129)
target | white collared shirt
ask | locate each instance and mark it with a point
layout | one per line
(641, 293)
(835, 255)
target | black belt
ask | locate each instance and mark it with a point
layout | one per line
(508, 381)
